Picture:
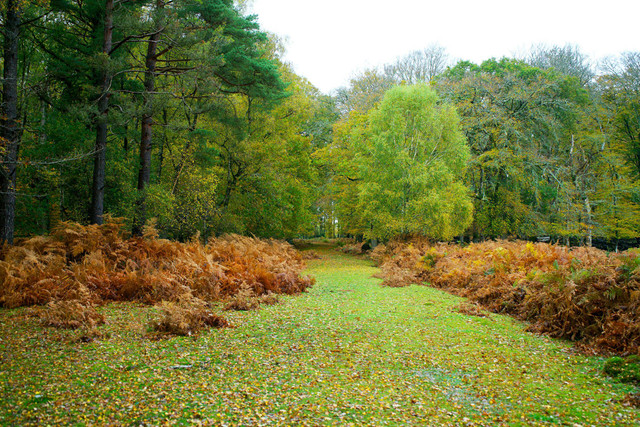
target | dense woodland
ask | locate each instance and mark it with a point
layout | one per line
(183, 111)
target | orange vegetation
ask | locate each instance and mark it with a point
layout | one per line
(582, 294)
(186, 316)
(96, 264)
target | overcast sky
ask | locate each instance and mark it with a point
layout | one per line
(329, 41)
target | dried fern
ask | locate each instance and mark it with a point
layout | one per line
(186, 316)
(581, 293)
(72, 314)
(97, 264)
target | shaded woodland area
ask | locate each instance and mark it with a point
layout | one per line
(175, 110)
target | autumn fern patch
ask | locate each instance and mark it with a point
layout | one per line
(81, 266)
(582, 294)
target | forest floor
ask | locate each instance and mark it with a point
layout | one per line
(347, 352)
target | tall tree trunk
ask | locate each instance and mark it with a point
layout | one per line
(10, 132)
(146, 134)
(164, 141)
(587, 208)
(100, 160)
(43, 123)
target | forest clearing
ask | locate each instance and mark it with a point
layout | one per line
(193, 232)
(346, 351)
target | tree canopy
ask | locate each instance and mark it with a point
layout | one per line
(411, 158)
(184, 112)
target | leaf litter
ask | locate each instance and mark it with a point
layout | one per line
(373, 356)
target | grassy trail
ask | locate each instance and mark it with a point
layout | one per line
(347, 352)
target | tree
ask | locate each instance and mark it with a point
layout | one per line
(419, 66)
(567, 60)
(621, 92)
(617, 202)
(146, 129)
(10, 131)
(519, 122)
(411, 158)
(617, 206)
(364, 92)
(224, 144)
(218, 54)
(265, 171)
(338, 206)
(87, 44)
(16, 17)
(100, 159)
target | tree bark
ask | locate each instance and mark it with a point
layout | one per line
(146, 134)
(587, 206)
(164, 141)
(10, 131)
(100, 160)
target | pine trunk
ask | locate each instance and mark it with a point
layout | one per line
(146, 134)
(10, 128)
(100, 160)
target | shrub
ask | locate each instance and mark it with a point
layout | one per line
(244, 300)
(79, 266)
(269, 299)
(471, 309)
(307, 255)
(354, 248)
(96, 264)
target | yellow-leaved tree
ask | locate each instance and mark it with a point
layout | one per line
(411, 157)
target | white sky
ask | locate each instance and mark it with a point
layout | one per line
(329, 41)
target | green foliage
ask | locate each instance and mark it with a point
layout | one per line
(397, 169)
(265, 172)
(233, 127)
(621, 93)
(618, 210)
(551, 151)
(411, 159)
(339, 209)
(521, 123)
(194, 204)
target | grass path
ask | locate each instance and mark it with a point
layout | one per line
(347, 352)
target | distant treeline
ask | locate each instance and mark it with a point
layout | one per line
(554, 146)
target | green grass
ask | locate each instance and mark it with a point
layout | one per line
(348, 351)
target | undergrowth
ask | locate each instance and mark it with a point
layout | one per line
(72, 314)
(246, 299)
(471, 309)
(77, 267)
(186, 316)
(348, 352)
(354, 248)
(582, 294)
